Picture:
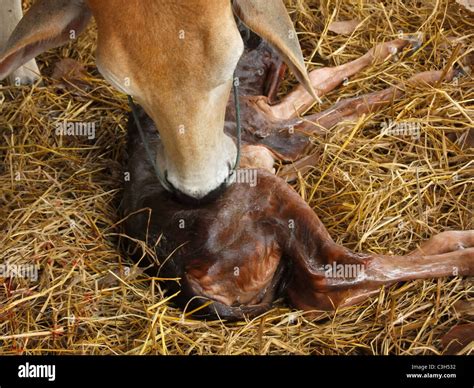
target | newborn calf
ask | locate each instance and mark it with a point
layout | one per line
(257, 242)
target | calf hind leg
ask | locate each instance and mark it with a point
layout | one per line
(349, 279)
(325, 275)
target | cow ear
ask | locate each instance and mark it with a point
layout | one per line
(270, 20)
(47, 24)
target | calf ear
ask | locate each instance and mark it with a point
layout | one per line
(47, 24)
(270, 20)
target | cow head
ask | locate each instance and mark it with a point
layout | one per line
(176, 58)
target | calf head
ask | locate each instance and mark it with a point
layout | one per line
(176, 58)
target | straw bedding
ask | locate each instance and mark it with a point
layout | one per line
(59, 197)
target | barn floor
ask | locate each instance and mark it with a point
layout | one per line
(380, 193)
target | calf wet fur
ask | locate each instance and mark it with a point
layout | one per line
(255, 244)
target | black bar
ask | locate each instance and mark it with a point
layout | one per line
(365, 371)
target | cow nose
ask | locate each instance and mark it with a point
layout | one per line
(204, 175)
(186, 199)
(199, 190)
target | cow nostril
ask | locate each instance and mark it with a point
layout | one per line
(165, 182)
(212, 196)
(231, 168)
(165, 174)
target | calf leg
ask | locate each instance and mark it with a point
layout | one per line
(327, 290)
(353, 108)
(279, 128)
(445, 242)
(347, 278)
(327, 79)
(325, 275)
(10, 14)
(288, 139)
